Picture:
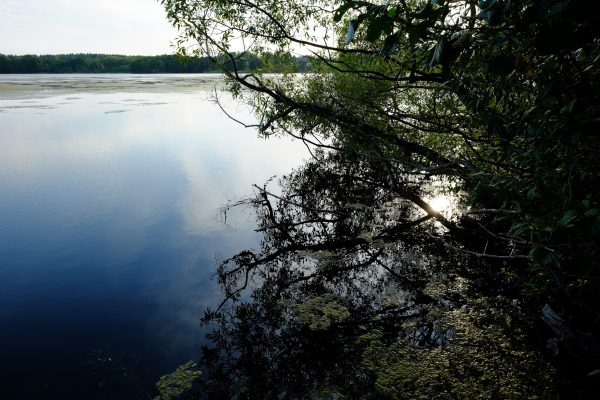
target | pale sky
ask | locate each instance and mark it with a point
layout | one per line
(131, 27)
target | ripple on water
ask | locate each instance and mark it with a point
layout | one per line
(116, 111)
(152, 104)
(28, 107)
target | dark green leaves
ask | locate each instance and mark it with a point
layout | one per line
(377, 26)
(390, 44)
(501, 65)
(382, 20)
(568, 217)
(541, 255)
(443, 53)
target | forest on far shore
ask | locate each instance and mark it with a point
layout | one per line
(108, 63)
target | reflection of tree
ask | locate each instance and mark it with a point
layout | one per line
(352, 294)
(496, 96)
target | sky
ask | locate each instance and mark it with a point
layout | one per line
(129, 27)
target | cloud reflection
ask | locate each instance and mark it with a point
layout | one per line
(114, 216)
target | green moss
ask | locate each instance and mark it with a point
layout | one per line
(487, 358)
(178, 383)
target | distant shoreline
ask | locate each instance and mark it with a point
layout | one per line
(164, 64)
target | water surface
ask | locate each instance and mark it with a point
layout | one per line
(110, 189)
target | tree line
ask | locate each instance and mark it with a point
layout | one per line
(110, 63)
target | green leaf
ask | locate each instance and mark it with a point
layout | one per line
(377, 27)
(569, 216)
(529, 111)
(416, 33)
(374, 30)
(390, 43)
(532, 193)
(518, 229)
(541, 255)
(568, 108)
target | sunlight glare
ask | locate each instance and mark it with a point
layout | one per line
(440, 203)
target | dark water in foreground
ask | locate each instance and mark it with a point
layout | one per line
(109, 227)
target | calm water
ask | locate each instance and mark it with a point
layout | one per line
(110, 188)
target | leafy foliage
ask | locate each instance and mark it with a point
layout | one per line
(495, 101)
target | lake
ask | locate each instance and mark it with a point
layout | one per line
(110, 230)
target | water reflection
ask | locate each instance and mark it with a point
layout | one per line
(109, 228)
(352, 294)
